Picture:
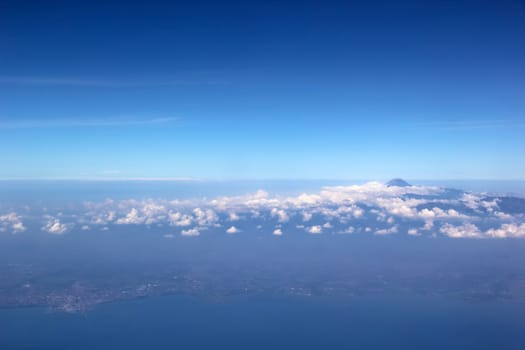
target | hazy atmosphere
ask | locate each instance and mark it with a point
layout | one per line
(262, 175)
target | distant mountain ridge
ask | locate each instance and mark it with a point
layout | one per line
(398, 182)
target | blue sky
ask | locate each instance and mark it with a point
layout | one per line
(263, 90)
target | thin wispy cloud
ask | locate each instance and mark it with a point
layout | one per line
(108, 177)
(94, 82)
(72, 123)
(470, 125)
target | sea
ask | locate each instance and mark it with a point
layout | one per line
(182, 322)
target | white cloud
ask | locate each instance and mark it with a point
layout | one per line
(277, 232)
(427, 213)
(190, 232)
(358, 212)
(466, 230)
(179, 219)
(469, 230)
(11, 222)
(205, 217)
(507, 230)
(429, 224)
(420, 209)
(315, 229)
(490, 206)
(307, 216)
(502, 215)
(151, 208)
(18, 227)
(413, 232)
(232, 230)
(471, 200)
(133, 217)
(233, 216)
(72, 122)
(306, 200)
(280, 213)
(440, 213)
(387, 231)
(54, 226)
(348, 230)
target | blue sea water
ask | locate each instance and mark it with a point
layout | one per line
(180, 322)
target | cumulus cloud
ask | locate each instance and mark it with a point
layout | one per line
(507, 230)
(179, 219)
(357, 212)
(232, 230)
(307, 216)
(277, 232)
(205, 217)
(368, 208)
(316, 229)
(469, 230)
(280, 214)
(466, 230)
(387, 231)
(233, 216)
(132, 217)
(191, 232)
(54, 226)
(11, 222)
(348, 230)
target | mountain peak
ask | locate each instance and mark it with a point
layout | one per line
(398, 183)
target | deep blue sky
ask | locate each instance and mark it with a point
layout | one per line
(229, 90)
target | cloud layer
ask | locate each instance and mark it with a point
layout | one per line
(372, 208)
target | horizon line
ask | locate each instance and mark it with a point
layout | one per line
(196, 179)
